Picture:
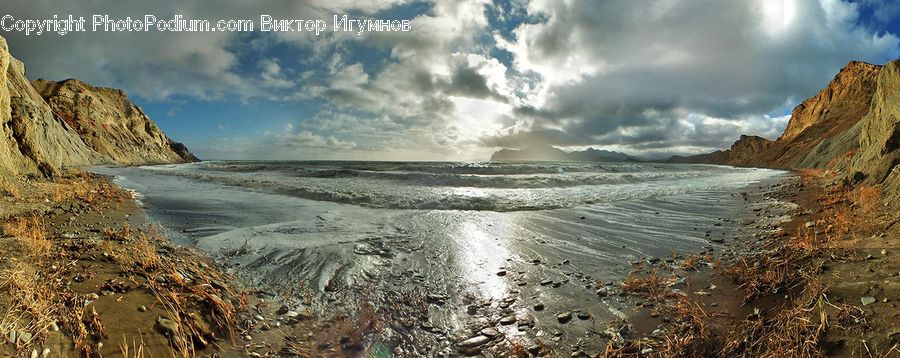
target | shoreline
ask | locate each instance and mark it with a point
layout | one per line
(87, 274)
(259, 326)
(823, 284)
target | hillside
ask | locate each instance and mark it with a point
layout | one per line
(46, 126)
(544, 152)
(851, 126)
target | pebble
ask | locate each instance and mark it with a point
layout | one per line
(602, 292)
(23, 337)
(501, 273)
(539, 306)
(584, 316)
(508, 320)
(564, 317)
(168, 326)
(45, 352)
(490, 332)
(142, 308)
(867, 300)
(474, 341)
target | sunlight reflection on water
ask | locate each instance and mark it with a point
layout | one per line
(480, 255)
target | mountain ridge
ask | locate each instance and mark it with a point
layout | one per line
(546, 152)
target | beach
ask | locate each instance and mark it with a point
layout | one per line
(517, 248)
(300, 277)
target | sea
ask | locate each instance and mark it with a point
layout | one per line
(461, 231)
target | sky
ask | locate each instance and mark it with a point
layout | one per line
(649, 78)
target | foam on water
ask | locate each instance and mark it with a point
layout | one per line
(444, 228)
(467, 186)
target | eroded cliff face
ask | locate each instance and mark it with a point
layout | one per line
(76, 125)
(878, 158)
(852, 126)
(110, 124)
(32, 141)
(846, 96)
(823, 131)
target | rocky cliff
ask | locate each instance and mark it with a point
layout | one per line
(70, 124)
(852, 125)
(32, 140)
(846, 96)
(110, 124)
(878, 158)
(822, 131)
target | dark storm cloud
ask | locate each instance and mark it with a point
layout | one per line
(628, 73)
(646, 77)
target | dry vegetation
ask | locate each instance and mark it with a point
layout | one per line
(789, 266)
(87, 189)
(10, 188)
(37, 297)
(30, 234)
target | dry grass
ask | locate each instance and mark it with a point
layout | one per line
(649, 285)
(866, 202)
(689, 336)
(145, 255)
(768, 272)
(135, 350)
(30, 234)
(190, 302)
(691, 263)
(120, 235)
(10, 189)
(31, 305)
(87, 189)
(792, 332)
(811, 239)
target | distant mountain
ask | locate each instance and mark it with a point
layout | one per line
(544, 152)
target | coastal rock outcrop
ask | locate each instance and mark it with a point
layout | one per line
(822, 133)
(878, 159)
(32, 140)
(70, 123)
(110, 124)
(852, 126)
(846, 96)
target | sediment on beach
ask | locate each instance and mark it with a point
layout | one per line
(822, 282)
(85, 274)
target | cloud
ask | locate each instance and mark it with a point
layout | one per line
(306, 139)
(637, 75)
(651, 77)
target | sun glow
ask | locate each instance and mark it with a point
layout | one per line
(777, 15)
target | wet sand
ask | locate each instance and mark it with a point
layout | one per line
(514, 292)
(544, 281)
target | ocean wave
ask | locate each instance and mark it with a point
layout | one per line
(405, 190)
